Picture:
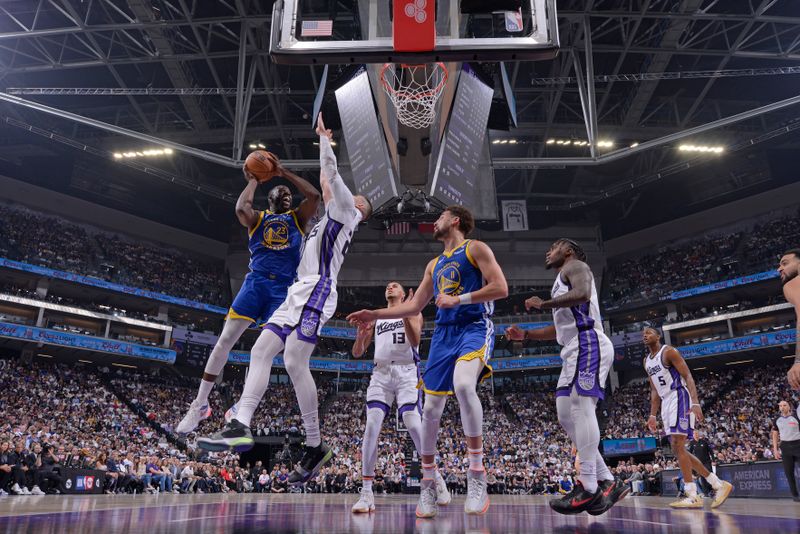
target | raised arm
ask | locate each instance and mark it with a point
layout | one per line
(410, 308)
(674, 359)
(308, 206)
(413, 325)
(495, 287)
(363, 338)
(333, 187)
(248, 217)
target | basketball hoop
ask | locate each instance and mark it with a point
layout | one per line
(414, 91)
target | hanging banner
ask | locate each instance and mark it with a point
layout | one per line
(515, 215)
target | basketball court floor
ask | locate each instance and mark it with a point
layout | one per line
(331, 513)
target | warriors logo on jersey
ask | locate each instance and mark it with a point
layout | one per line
(449, 280)
(276, 235)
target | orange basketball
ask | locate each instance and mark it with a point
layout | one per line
(261, 164)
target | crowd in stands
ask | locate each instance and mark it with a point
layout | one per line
(122, 423)
(56, 243)
(658, 272)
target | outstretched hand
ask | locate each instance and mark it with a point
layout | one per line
(361, 317)
(321, 130)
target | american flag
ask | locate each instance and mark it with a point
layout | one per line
(399, 228)
(312, 28)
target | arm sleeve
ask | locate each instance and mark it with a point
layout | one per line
(342, 196)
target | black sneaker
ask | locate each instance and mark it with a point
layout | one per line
(613, 491)
(311, 462)
(576, 501)
(233, 436)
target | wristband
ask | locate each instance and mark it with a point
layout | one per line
(653, 416)
(466, 298)
(693, 405)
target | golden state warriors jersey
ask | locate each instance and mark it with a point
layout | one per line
(275, 244)
(456, 274)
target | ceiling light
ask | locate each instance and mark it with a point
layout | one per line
(124, 365)
(739, 362)
(512, 141)
(44, 355)
(251, 146)
(702, 148)
(496, 142)
(551, 141)
(634, 145)
(144, 153)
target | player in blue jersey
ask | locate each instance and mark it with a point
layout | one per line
(275, 243)
(465, 280)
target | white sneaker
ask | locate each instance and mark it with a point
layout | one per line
(231, 413)
(197, 412)
(26, 491)
(36, 491)
(477, 497)
(688, 502)
(443, 496)
(3, 493)
(200, 492)
(15, 489)
(426, 506)
(366, 503)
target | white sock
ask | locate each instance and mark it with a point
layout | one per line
(366, 483)
(690, 489)
(311, 425)
(475, 459)
(715, 482)
(264, 350)
(205, 389)
(428, 471)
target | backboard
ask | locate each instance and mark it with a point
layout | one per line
(412, 31)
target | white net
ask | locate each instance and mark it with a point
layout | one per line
(414, 91)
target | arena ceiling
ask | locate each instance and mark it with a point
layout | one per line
(159, 66)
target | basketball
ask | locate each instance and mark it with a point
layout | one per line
(261, 164)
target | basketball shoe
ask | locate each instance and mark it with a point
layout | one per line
(694, 501)
(231, 413)
(366, 503)
(443, 496)
(576, 501)
(311, 462)
(426, 506)
(233, 436)
(613, 491)
(197, 412)
(722, 494)
(477, 501)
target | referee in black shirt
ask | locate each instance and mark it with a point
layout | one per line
(787, 430)
(702, 451)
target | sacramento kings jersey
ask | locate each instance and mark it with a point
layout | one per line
(665, 379)
(391, 343)
(570, 321)
(327, 243)
(455, 274)
(275, 244)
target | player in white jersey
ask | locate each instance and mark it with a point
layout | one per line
(295, 325)
(672, 387)
(395, 376)
(586, 358)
